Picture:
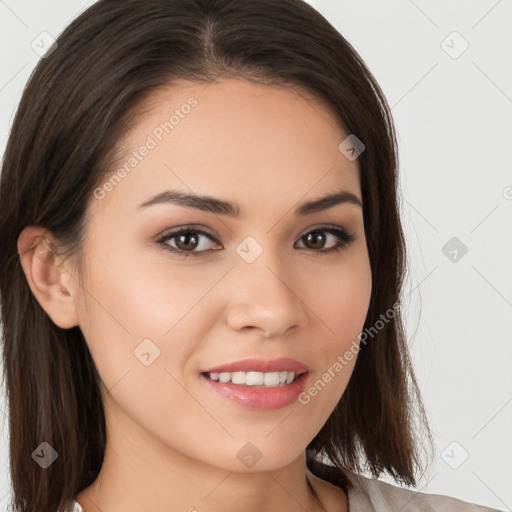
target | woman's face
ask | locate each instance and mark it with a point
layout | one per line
(256, 285)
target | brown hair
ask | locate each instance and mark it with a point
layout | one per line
(74, 109)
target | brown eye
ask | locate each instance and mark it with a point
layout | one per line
(317, 238)
(186, 241)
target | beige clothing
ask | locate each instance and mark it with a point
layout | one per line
(372, 495)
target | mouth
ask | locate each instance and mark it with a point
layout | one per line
(255, 379)
(264, 384)
(264, 391)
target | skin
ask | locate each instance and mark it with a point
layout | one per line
(172, 442)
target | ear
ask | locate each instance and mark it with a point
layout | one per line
(51, 284)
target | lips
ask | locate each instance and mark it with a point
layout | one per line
(284, 364)
(258, 397)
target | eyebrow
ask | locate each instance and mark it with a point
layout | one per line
(220, 207)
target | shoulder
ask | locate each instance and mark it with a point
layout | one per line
(372, 494)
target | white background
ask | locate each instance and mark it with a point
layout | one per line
(454, 123)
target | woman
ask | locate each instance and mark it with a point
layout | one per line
(202, 267)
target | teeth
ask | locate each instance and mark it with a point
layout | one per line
(255, 379)
(238, 378)
(269, 380)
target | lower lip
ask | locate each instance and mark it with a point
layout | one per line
(261, 398)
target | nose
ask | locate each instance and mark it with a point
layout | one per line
(266, 299)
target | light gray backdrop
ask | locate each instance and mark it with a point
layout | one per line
(445, 67)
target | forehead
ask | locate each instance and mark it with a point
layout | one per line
(231, 136)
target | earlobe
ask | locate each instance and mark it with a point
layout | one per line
(48, 281)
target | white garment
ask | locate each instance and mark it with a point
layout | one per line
(372, 495)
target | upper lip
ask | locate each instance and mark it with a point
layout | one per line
(283, 364)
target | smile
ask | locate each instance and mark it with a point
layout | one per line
(253, 378)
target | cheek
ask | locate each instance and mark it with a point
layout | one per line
(346, 298)
(135, 308)
(343, 308)
(147, 298)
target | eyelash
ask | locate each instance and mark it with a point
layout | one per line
(344, 239)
